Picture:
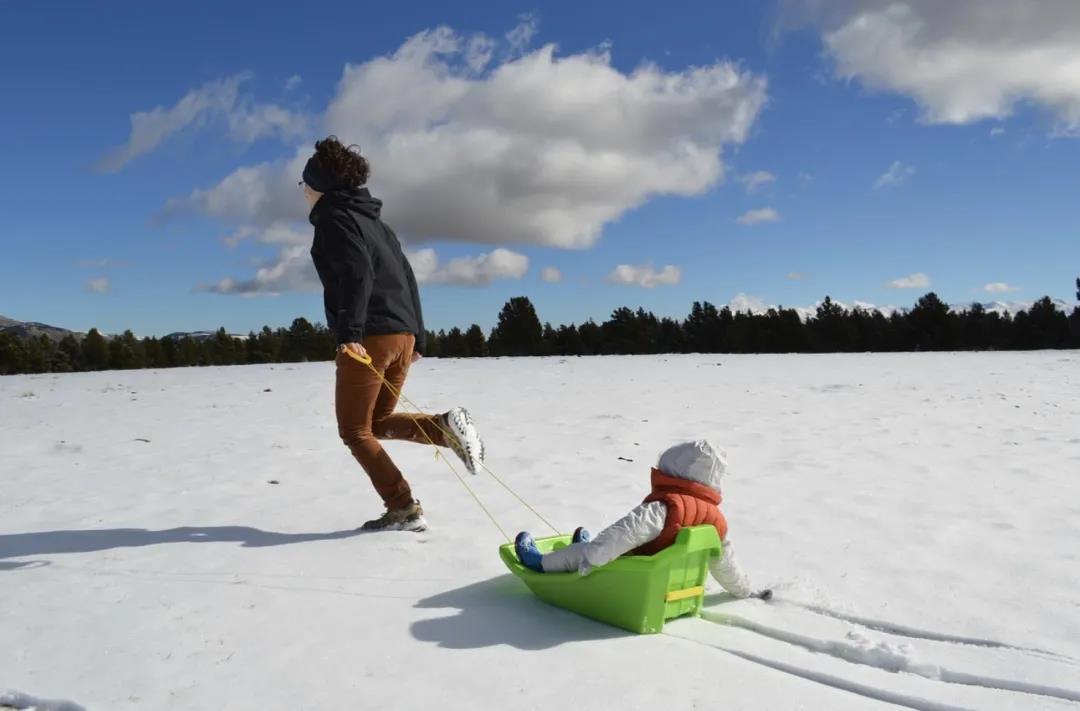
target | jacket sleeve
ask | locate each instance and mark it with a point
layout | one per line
(350, 261)
(328, 279)
(726, 571)
(421, 334)
(643, 524)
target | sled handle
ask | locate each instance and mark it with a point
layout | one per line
(676, 595)
(365, 359)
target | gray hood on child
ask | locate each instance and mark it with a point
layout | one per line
(696, 461)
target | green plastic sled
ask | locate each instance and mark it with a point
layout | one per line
(636, 593)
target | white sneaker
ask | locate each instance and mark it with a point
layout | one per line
(466, 441)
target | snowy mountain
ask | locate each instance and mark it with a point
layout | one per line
(201, 335)
(34, 329)
(1011, 307)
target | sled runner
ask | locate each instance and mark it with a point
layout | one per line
(636, 593)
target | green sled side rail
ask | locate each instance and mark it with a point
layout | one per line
(636, 593)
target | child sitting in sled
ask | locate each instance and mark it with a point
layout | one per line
(685, 492)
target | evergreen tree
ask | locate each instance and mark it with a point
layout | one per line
(154, 353)
(222, 348)
(476, 343)
(299, 341)
(790, 332)
(72, 350)
(56, 360)
(36, 358)
(1074, 328)
(518, 332)
(930, 324)
(620, 333)
(568, 341)
(267, 346)
(454, 344)
(703, 328)
(670, 337)
(170, 353)
(95, 350)
(975, 327)
(1049, 326)
(12, 355)
(434, 345)
(126, 352)
(189, 352)
(591, 337)
(829, 328)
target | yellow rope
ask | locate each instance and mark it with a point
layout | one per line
(518, 497)
(366, 360)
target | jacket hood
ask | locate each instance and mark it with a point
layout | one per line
(358, 199)
(696, 461)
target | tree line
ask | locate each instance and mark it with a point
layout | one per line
(928, 326)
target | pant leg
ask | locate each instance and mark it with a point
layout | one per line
(411, 427)
(566, 560)
(355, 396)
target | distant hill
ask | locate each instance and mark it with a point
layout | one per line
(34, 329)
(201, 335)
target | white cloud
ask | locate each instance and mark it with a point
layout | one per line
(999, 287)
(744, 302)
(997, 131)
(293, 82)
(217, 99)
(796, 276)
(755, 180)
(519, 38)
(897, 174)
(249, 123)
(480, 270)
(644, 276)
(805, 178)
(479, 51)
(261, 195)
(538, 149)
(98, 286)
(551, 275)
(292, 271)
(912, 281)
(277, 233)
(960, 60)
(754, 217)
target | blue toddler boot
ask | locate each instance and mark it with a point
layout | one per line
(527, 552)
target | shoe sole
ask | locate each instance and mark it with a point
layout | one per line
(413, 526)
(460, 422)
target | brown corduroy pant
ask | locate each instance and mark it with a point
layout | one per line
(365, 413)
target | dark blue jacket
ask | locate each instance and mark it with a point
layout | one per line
(368, 285)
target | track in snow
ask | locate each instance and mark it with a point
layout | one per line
(862, 647)
(913, 633)
(888, 657)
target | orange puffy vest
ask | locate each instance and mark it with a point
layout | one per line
(689, 503)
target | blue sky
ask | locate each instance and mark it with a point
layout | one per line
(880, 165)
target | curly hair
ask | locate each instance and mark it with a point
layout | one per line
(343, 164)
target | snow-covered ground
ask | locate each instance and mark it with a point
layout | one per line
(917, 514)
